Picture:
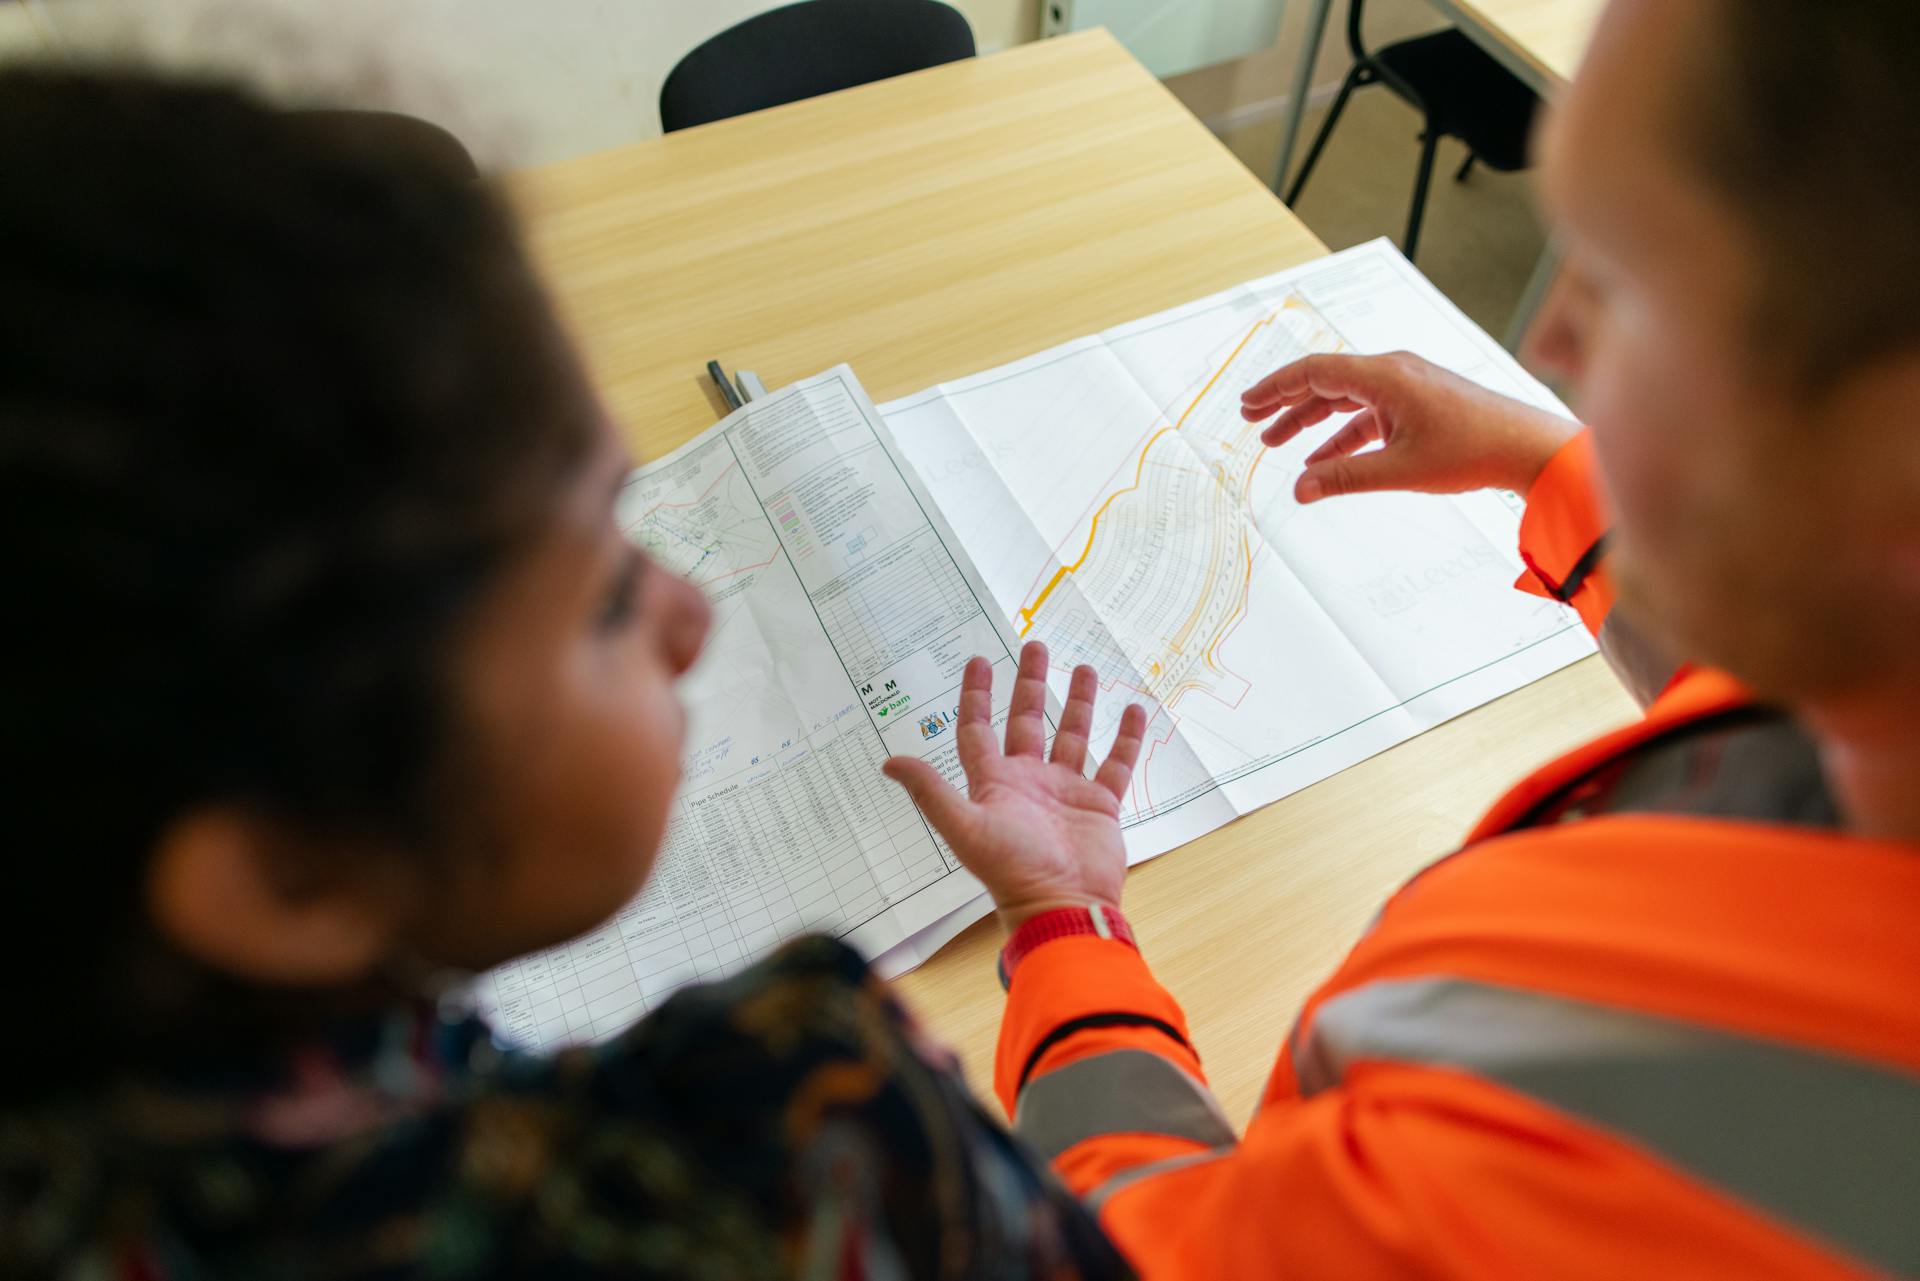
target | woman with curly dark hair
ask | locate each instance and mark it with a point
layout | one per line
(326, 671)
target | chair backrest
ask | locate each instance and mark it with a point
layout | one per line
(815, 47)
(1356, 41)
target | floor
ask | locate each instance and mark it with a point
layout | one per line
(1481, 237)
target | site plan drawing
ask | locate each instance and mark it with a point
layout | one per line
(1106, 497)
(1120, 509)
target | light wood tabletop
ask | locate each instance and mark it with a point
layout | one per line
(920, 229)
(1542, 41)
(937, 225)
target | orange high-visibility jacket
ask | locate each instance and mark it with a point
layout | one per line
(1658, 1018)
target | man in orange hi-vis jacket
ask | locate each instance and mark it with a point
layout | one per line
(1659, 1016)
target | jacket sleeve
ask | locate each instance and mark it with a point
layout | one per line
(1563, 542)
(1369, 1160)
(1095, 1067)
(1563, 536)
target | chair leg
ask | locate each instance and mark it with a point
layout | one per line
(1466, 168)
(1347, 87)
(1430, 145)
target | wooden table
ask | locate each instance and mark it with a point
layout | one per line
(946, 222)
(1541, 41)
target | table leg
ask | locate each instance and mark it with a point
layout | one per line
(1302, 84)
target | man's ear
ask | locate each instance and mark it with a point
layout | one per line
(220, 889)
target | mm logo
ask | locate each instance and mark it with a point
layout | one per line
(888, 700)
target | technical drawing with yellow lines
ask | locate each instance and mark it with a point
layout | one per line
(1119, 507)
(1171, 553)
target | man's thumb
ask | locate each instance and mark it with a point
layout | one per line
(1358, 474)
(944, 807)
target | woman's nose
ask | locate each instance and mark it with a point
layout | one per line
(686, 618)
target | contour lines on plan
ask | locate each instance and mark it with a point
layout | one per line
(1168, 556)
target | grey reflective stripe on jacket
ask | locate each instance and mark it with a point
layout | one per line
(1096, 1200)
(1826, 1144)
(1117, 1092)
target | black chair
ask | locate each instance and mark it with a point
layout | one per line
(807, 49)
(1460, 89)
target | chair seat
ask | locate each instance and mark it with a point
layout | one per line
(1465, 92)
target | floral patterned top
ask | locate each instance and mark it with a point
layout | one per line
(788, 1122)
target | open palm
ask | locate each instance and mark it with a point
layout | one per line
(1034, 828)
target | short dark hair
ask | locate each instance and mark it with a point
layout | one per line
(276, 403)
(1808, 122)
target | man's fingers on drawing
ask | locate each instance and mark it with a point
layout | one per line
(1027, 715)
(1360, 474)
(1275, 392)
(1333, 376)
(1116, 772)
(1076, 721)
(1284, 386)
(1361, 430)
(973, 732)
(1309, 413)
(944, 807)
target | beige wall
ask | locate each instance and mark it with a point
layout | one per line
(529, 82)
(524, 82)
(999, 23)
(19, 33)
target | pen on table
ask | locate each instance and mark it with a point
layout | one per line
(725, 385)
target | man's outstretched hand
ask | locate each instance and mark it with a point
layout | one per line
(1036, 831)
(1438, 433)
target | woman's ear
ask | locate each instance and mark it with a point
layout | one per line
(221, 889)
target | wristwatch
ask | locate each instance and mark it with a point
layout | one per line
(1093, 919)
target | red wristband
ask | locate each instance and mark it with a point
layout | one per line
(1094, 920)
